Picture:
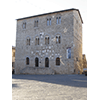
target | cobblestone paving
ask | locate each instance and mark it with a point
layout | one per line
(49, 87)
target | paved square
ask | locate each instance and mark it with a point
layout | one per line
(49, 87)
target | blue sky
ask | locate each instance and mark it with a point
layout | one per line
(24, 8)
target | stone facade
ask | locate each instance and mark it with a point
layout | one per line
(67, 25)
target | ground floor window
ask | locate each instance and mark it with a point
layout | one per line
(47, 62)
(36, 62)
(58, 61)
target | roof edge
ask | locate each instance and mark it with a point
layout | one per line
(52, 13)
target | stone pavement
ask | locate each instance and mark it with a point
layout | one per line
(49, 87)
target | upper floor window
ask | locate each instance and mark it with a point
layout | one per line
(49, 22)
(36, 23)
(27, 61)
(58, 20)
(28, 41)
(36, 41)
(69, 52)
(47, 40)
(58, 39)
(24, 25)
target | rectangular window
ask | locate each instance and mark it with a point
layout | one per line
(68, 53)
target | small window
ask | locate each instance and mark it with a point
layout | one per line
(58, 39)
(27, 61)
(46, 62)
(36, 41)
(28, 41)
(36, 62)
(76, 58)
(58, 20)
(47, 40)
(58, 61)
(49, 22)
(24, 25)
(69, 53)
(36, 23)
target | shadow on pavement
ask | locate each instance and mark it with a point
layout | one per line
(70, 80)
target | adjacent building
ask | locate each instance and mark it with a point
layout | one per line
(13, 58)
(49, 43)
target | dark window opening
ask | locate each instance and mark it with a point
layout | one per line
(36, 62)
(57, 61)
(46, 62)
(27, 61)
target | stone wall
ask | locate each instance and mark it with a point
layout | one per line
(77, 43)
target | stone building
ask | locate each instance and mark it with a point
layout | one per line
(13, 58)
(49, 43)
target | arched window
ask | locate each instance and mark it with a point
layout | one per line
(58, 20)
(57, 61)
(27, 61)
(46, 62)
(58, 39)
(36, 41)
(48, 21)
(36, 62)
(28, 41)
(47, 40)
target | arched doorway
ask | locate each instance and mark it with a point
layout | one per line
(36, 62)
(46, 62)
